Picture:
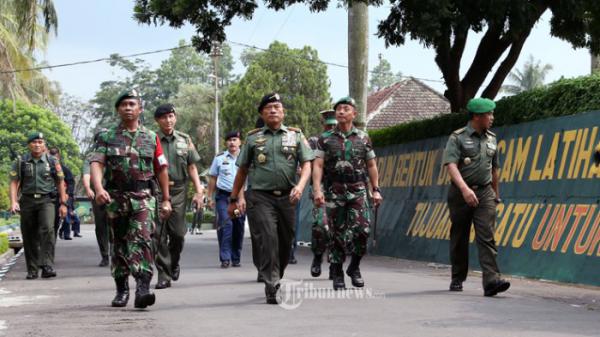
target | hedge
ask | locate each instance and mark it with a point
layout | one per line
(3, 242)
(560, 98)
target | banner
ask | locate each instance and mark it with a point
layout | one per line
(548, 225)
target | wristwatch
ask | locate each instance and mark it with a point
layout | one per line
(376, 189)
(233, 199)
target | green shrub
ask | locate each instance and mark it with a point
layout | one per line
(209, 217)
(560, 98)
(3, 242)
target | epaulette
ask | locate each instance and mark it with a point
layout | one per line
(459, 131)
(294, 129)
(251, 132)
(491, 133)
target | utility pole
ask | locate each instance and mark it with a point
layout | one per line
(358, 56)
(215, 53)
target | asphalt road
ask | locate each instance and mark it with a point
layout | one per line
(401, 298)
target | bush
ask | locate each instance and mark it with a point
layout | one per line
(3, 242)
(561, 98)
(208, 217)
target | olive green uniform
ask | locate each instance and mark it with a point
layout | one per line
(272, 157)
(475, 155)
(170, 233)
(38, 180)
(100, 220)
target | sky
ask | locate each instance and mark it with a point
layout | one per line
(95, 29)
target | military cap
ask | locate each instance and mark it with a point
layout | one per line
(164, 109)
(34, 135)
(480, 105)
(345, 100)
(233, 134)
(127, 94)
(269, 98)
(328, 117)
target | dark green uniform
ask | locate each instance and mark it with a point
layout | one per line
(100, 220)
(272, 157)
(475, 155)
(38, 180)
(170, 233)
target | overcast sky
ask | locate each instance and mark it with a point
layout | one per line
(95, 29)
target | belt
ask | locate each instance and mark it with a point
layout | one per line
(223, 191)
(347, 178)
(132, 186)
(475, 187)
(177, 182)
(37, 195)
(276, 193)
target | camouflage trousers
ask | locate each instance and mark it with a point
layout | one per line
(321, 238)
(132, 220)
(349, 220)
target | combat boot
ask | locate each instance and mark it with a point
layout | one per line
(331, 271)
(143, 296)
(338, 276)
(122, 295)
(354, 272)
(315, 268)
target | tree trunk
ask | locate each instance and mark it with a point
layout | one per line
(595, 62)
(358, 57)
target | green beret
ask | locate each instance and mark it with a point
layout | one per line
(345, 100)
(33, 136)
(328, 117)
(127, 94)
(480, 105)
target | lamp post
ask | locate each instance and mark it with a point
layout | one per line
(215, 53)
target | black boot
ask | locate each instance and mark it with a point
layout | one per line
(331, 271)
(315, 268)
(354, 272)
(122, 295)
(338, 276)
(143, 296)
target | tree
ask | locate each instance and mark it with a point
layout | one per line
(296, 74)
(530, 77)
(382, 75)
(24, 29)
(79, 117)
(440, 24)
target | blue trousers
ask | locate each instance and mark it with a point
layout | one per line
(230, 232)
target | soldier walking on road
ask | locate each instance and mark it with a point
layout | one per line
(230, 231)
(37, 174)
(269, 159)
(131, 157)
(471, 156)
(182, 157)
(321, 236)
(100, 220)
(346, 154)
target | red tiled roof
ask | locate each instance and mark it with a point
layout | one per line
(402, 102)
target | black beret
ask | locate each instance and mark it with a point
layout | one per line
(269, 98)
(232, 134)
(164, 109)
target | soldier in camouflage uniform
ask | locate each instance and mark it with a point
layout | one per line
(471, 156)
(131, 157)
(36, 175)
(347, 155)
(321, 238)
(182, 157)
(269, 160)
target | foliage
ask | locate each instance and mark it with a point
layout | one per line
(15, 125)
(382, 75)
(79, 116)
(3, 242)
(561, 98)
(530, 77)
(296, 74)
(24, 29)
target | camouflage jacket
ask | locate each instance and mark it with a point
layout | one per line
(345, 156)
(127, 156)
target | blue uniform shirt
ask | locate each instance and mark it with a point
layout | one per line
(223, 167)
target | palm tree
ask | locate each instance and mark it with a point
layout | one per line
(24, 27)
(531, 76)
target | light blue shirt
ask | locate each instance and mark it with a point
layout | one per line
(223, 167)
